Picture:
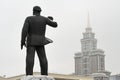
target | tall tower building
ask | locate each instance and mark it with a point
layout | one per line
(90, 59)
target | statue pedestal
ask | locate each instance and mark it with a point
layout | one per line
(37, 78)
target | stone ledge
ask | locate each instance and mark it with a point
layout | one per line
(37, 78)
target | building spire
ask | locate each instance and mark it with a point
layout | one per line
(88, 29)
(88, 22)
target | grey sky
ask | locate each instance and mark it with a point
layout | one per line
(71, 16)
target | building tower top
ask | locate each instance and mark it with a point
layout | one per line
(88, 42)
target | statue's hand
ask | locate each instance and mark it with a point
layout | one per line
(22, 44)
(50, 17)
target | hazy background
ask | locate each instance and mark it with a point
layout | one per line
(71, 16)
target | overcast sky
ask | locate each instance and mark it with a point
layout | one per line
(71, 16)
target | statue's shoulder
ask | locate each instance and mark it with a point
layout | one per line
(30, 17)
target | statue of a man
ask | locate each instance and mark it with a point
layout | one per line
(33, 37)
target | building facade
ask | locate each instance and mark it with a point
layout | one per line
(115, 77)
(90, 59)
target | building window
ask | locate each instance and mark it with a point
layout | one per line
(102, 59)
(85, 60)
(85, 71)
(85, 66)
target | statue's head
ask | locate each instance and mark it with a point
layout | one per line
(36, 10)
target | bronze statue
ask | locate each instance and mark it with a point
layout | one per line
(33, 37)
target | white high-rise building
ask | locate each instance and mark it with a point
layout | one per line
(90, 59)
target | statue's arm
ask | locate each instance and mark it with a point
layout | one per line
(50, 22)
(24, 31)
